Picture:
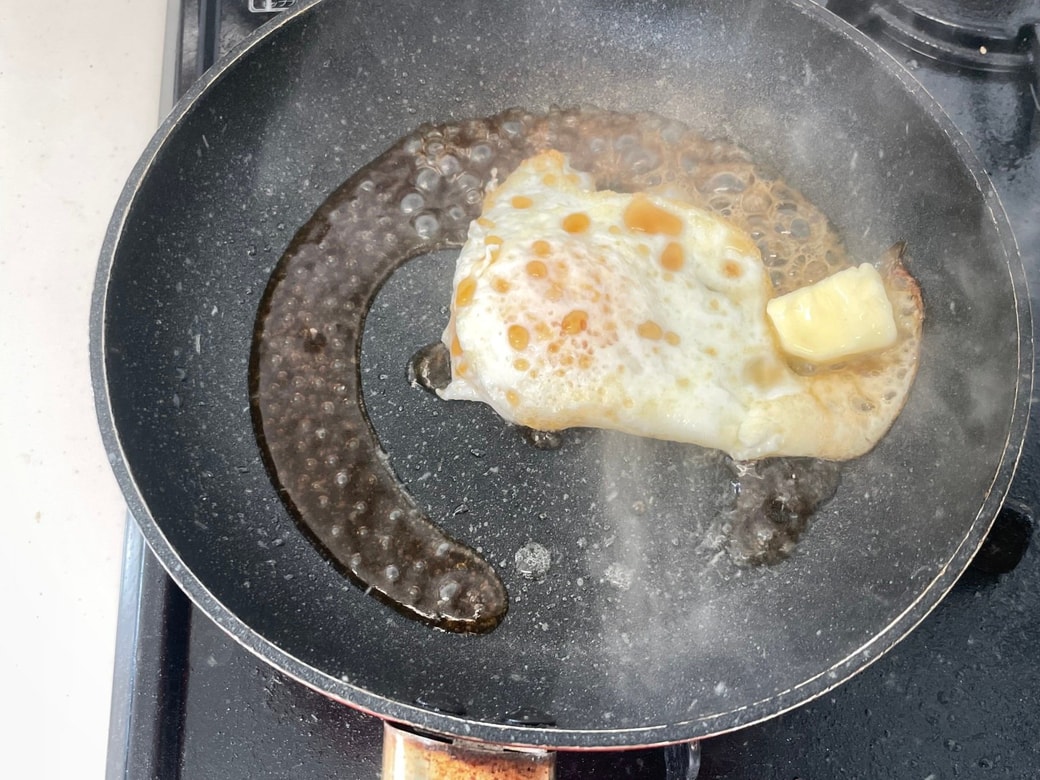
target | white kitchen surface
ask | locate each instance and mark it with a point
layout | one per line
(79, 98)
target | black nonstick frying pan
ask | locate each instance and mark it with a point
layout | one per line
(624, 628)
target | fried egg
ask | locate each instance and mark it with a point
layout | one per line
(641, 313)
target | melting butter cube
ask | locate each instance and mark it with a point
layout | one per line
(843, 315)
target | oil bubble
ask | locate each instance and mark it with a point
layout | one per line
(533, 561)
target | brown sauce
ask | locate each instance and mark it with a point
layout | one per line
(418, 197)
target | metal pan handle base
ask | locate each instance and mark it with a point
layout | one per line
(408, 755)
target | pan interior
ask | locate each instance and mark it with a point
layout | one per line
(627, 629)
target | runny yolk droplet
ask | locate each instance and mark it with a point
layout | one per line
(465, 290)
(672, 338)
(672, 257)
(732, 269)
(537, 269)
(644, 216)
(500, 285)
(513, 397)
(521, 364)
(574, 322)
(578, 222)
(493, 240)
(521, 202)
(456, 347)
(541, 247)
(518, 337)
(649, 330)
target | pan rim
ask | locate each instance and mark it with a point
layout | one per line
(538, 736)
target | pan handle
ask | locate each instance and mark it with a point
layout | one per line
(408, 755)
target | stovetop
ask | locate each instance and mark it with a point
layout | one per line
(957, 698)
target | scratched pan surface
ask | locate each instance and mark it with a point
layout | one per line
(635, 632)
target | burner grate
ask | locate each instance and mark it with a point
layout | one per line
(990, 36)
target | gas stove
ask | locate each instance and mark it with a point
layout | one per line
(956, 698)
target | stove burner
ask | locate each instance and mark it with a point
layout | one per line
(993, 36)
(955, 697)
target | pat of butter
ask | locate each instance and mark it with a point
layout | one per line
(843, 315)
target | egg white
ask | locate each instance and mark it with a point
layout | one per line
(576, 307)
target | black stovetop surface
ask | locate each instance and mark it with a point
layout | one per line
(959, 697)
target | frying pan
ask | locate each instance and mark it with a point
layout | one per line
(631, 633)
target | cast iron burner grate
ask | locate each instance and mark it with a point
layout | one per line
(993, 36)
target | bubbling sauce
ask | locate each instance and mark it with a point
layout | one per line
(773, 502)
(419, 197)
(430, 367)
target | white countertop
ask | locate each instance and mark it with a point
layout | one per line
(79, 98)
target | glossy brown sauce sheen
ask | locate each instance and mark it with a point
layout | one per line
(420, 196)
